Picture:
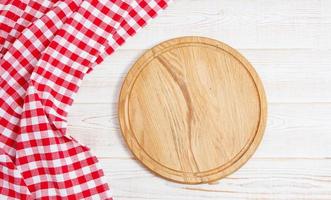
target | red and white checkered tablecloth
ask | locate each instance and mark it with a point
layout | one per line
(46, 48)
(19, 15)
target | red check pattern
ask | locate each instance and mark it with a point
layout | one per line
(10, 12)
(17, 65)
(30, 11)
(42, 71)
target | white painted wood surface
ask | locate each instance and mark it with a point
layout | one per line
(288, 42)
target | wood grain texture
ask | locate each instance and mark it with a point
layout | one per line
(244, 24)
(288, 43)
(284, 73)
(260, 178)
(286, 122)
(192, 109)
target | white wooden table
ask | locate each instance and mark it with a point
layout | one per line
(288, 42)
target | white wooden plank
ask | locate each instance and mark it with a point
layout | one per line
(288, 42)
(293, 131)
(288, 75)
(277, 179)
(243, 24)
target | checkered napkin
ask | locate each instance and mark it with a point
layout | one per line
(46, 48)
(17, 15)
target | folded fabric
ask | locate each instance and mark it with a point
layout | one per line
(47, 163)
(17, 65)
(15, 71)
(30, 11)
(10, 12)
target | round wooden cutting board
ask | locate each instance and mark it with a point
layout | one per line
(192, 110)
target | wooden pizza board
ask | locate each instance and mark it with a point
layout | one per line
(192, 110)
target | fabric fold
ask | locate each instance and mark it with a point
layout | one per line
(17, 65)
(41, 78)
(30, 11)
(10, 12)
(15, 71)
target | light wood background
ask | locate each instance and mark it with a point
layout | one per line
(288, 42)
